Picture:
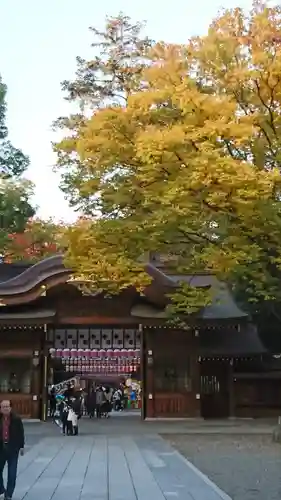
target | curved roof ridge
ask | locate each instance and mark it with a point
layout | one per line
(32, 271)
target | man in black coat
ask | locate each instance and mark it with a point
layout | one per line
(11, 445)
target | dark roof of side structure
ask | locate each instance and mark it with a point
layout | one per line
(244, 341)
(223, 305)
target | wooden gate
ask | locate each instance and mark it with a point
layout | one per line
(214, 389)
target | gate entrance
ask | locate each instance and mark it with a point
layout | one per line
(108, 356)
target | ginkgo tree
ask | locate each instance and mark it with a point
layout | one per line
(189, 162)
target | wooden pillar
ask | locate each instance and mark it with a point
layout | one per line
(44, 376)
(142, 372)
(35, 384)
(231, 383)
(149, 395)
(196, 373)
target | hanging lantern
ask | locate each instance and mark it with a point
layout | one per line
(124, 353)
(73, 353)
(80, 353)
(94, 353)
(66, 353)
(102, 353)
(87, 353)
(58, 353)
(137, 353)
(109, 353)
(117, 353)
(131, 353)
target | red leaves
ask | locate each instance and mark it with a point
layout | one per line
(35, 243)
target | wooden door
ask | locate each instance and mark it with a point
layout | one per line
(214, 381)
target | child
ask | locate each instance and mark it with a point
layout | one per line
(72, 423)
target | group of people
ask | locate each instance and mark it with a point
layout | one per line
(65, 410)
(68, 418)
(99, 402)
(102, 400)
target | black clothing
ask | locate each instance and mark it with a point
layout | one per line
(91, 403)
(76, 406)
(98, 411)
(63, 415)
(16, 433)
(53, 404)
(11, 459)
(9, 452)
(69, 428)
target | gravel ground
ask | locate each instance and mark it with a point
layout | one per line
(245, 467)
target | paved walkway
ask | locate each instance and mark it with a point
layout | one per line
(110, 468)
(130, 422)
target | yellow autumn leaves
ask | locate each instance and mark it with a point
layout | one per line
(191, 164)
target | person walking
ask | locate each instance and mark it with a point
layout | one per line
(53, 403)
(64, 410)
(107, 402)
(73, 422)
(92, 403)
(11, 445)
(99, 400)
(117, 400)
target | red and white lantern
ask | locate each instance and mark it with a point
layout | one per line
(66, 353)
(80, 353)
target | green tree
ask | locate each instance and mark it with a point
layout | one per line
(15, 192)
(114, 73)
(15, 208)
(12, 160)
(191, 164)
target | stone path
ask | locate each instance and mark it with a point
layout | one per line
(110, 468)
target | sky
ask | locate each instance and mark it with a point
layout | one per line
(39, 43)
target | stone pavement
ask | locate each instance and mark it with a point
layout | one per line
(108, 467)
(131, 423)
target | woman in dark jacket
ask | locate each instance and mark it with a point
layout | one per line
(107, 406)
(53, 403)
(91, 403)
